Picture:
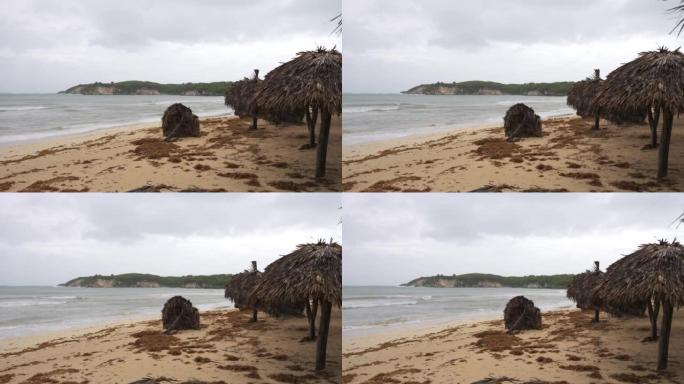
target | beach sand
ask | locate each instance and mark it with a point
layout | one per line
(569, 157)
(569, 349)
(227, 349)
(227, 157)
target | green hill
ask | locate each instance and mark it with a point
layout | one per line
(139, 280)
(475, 280)
(150, 88)
(492, 88)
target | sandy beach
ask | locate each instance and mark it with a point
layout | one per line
(227, 349)
(569, 349)
(226, 158)
(569, 157)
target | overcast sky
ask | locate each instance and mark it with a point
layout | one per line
(48, 45)
(47, 239)
(390, 48)
(391, 239)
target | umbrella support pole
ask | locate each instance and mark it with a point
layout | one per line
(665, 143)
(653, 120)
(254, 316)
(597, 121)
(311, 316)
(596, 316)
(653, 309)
(321, 155)
(323, 327)
(665, 328)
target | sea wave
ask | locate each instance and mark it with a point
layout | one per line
(23, 108)
(29, 303)
(371, 108)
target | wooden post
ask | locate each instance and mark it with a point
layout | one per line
(665, 143)
(597, 114)
(311, 317)
(665, 328)
(254, 263)
(652, 319)
(656, 312)
(323, 327)
(326, 118)
(256, 110)
(311, 125)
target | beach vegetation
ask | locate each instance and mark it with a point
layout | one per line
(135, 87)
(133, 280)
(489, 87)
(475, 280)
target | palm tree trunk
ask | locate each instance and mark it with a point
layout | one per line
(665, 328)
(323, 328)
(321, 156)
(665, 143)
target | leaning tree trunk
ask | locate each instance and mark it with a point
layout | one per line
(321, 156)
(665, 328)
(323, 328)
(665, 143)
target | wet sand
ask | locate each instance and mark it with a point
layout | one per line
(569, 349)
(569, 157)
(227, 349)
(226, 158)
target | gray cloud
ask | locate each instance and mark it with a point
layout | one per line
(390, 48)
(45, 239)
(48, 45)
(390, 239)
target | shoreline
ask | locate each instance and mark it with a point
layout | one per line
(227, 348)
(227, 157)
(569, 157)
(568, 349)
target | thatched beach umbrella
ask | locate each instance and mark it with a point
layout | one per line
(241, 285)
(312, 80)
(582, 94)
(655, 80)
(240, 95)
(655, 272)
(581, 287)
(313, 272)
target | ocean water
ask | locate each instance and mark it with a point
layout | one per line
(369, 310)
(369, 118)
(27, 117)
(29, 310)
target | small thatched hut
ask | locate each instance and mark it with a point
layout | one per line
(240, 95)
(311, 81)
(178, 121)
(580, 290)
(520, 314)
(240, 286)
(178, 313)
(582, 94)
(654, 81)
(654, 274)
(312, 273)
(521, 121)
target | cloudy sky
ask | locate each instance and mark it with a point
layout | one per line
(390, 239)
(392, 48)
(48, 239)
(48, 45)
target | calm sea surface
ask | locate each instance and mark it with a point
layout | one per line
(27, 117)
(370, 118)
(370, 310)
(28, 310)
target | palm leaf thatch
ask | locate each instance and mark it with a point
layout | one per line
(240, 286)
(582, 94)
(178, 313)
(580, 290)
(521, 314)
(240, 95)
(653, 272)
(654, 80)
(521, 121)
(312, 80)
(311, 272)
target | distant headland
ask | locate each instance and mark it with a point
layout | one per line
(492, 88)
(480, 280)
(139, 280)
(150, 88)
